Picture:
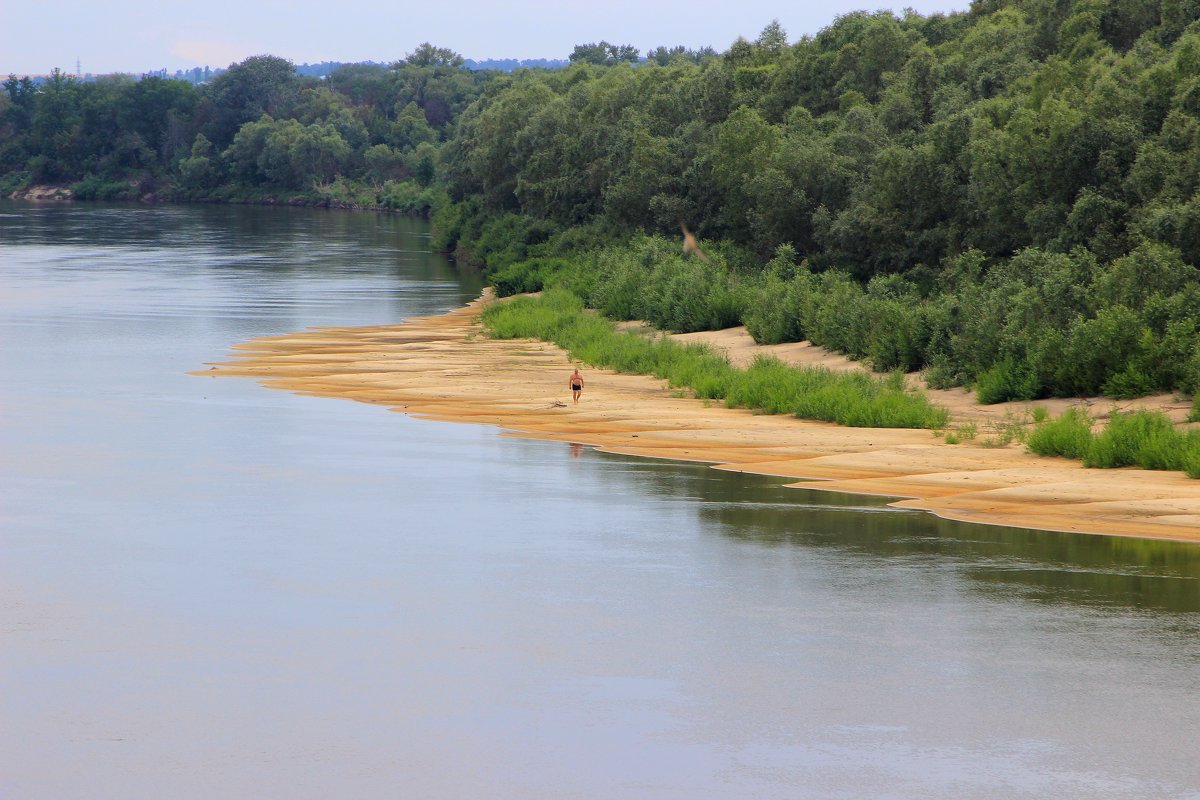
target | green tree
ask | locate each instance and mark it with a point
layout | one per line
(603, 54)
(426, 55)
(247, 90)
(201, 170)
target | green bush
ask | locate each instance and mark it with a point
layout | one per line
(343, 193)
(1128, 383)
(1152, 268)
(770, 385)
(1101, 347)
(1009, 379)
(532, 275)
(893, 340)
(648, 279)
(836, 317)
(619, 288)
(505, 239)
(1069, 435)
(410, 197)
(97, 188)
(1194, 413)
(774, 306)
(1146, 439)
(450, 223)
(1191, 455)
(13, 181)
(684, 297)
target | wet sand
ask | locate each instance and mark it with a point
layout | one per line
(445, 368)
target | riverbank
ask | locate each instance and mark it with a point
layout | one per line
(444, 367)
(414, 203)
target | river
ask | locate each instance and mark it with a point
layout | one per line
(212, 589)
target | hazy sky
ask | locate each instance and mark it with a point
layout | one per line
(140, 35)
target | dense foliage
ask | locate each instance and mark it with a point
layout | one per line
(366, 135)
(1007, 197)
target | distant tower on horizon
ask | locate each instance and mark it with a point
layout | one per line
(78, 68)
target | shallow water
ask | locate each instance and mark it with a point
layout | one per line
(211, 589)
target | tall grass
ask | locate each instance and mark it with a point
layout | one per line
(854, 399)
(1146, 439)
(1069, 435)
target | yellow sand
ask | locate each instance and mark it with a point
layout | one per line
(446, 368)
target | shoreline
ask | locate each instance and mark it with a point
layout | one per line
(54, 193)
(445, 368)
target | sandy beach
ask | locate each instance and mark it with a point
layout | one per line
(445, 368)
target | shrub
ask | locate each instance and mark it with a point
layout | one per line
(527, 276)
(685, 296)
(1194, 412)
(620, 286)
(1009, 379)
(848, 398)
(835, 315)
(13, 181)
(1147, 439)
(1069, 435)
(893, 341)
(772, 386)
(505, 239)
(774, 308)
(410, 197)
(451, 222)
(1142, 438)
(97, 188)
(1128, 383)
(1101, 347)
(1191, 455)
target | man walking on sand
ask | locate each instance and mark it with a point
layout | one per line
(576, 385)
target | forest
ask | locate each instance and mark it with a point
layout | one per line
(1007, 198)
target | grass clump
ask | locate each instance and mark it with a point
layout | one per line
(1012, 428)
(1194, 413)
(768, 385)
(963, 433)
(1069, 435)
(1146, 439)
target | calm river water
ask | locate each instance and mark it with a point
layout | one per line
(213, 590)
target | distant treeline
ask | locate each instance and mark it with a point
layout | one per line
(1007, 197)
(511, 64)
(366, 135)
(324, 69)
(197, 75)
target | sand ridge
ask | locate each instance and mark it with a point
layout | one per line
(444, 367)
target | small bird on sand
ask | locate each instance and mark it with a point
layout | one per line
(690, 245)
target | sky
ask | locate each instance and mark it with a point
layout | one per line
(141, 35)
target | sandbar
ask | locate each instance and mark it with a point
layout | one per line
(446, 368)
